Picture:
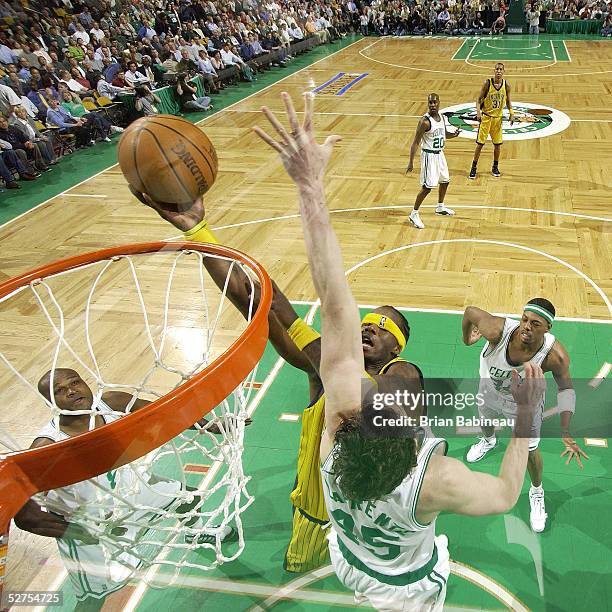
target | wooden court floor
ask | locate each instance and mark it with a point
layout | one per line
(542, 229)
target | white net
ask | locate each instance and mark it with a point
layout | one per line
(134, 327)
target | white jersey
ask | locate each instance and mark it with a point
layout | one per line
(384, 535)
(433, 140)
(96, 570)
(434, 169)
(495, 369)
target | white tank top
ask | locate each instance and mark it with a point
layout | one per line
(68, 500)
(496, 371)
(433, 140)
(384, 535)
(94, 495)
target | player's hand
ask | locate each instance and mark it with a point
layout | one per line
(410, 167)
(78, 532)
(511, 118)
(478, 115)
(183, 217)
(475, 336)
(528, 391)
(304, 159)
(572, 450)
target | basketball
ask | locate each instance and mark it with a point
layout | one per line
(169, 158)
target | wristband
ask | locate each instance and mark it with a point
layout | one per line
(201, 233)
(566, 400)
(301, 334)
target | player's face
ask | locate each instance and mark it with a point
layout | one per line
(499, 71)
(532, 328)
(71, 392)
(379, 344)
(433, 103)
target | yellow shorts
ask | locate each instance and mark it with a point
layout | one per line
(307, 549)
(490, 125)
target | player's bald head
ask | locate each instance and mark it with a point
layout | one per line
(44, 384)
(433, 96)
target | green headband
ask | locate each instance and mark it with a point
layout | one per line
(539, 310)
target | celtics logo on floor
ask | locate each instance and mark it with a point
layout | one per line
(530, 120)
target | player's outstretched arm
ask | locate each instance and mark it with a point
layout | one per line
(282, 313)
(423, 126)
(341, 349)
(478, 323)
(452, 487)
(558, 362)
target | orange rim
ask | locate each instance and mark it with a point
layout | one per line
(24, 473)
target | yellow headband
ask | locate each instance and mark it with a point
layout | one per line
(388, 325)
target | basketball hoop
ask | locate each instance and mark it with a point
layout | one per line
(155, 433)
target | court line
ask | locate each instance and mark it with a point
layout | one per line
(569, 57)
(460, 47)
(391, 115)
(552, 48)
(295, 588)
(59, 195)
(215, 114)
(83, 195)
(488, 44)
(522, 247)
(513, 315)
(471, 51)
(460, 74)
(393, 206)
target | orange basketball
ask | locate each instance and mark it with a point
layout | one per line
(168, 158)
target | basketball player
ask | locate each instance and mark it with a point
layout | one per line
(95, 572)
(385, 332)
(383, 491)
(431, 133)
(511, 344)
(494, 95)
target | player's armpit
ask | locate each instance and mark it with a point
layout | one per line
(450, 486)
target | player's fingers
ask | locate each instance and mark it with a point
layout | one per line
(582, 452)
(308, 112)
(579, 460)
(330, 141)
(291, 114)
(276, 124)
(268, 139)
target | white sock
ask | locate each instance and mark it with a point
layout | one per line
(414, 210)
(537, 489)
(440, 204)
(490, 440)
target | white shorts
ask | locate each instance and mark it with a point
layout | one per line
(425, 595)
(434, 169)
(497, 406)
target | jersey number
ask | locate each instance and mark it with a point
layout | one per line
(370, 535)
(438, 142)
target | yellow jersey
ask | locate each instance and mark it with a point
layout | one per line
(495, 100)
(307, 494)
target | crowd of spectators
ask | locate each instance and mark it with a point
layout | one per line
(69, 67)
(73, 72)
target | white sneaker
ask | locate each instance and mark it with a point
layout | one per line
(106, 139)
(415, 219)
(537, 516)
(480, 449)
(443, 210)
(115, 129)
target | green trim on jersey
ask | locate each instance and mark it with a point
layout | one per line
(398, 580)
